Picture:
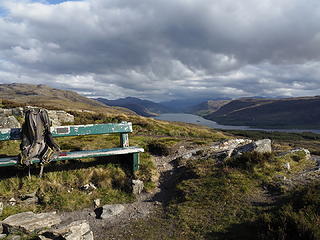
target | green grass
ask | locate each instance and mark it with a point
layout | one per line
(59, 189)
(296, 216)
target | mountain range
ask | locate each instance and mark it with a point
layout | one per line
(142, 107)
(299, 112)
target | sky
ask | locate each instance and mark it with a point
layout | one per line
(163, 50)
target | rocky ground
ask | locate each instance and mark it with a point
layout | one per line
(117, 224)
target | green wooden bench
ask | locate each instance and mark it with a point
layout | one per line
(80, 130)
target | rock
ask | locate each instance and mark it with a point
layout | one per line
(305, 151)
(230, 144)
(9, 122)
(109, 210)
(287, 166)
(78, 230)
(187, 156)
(5, 112)
(96, 203)
(137, 186)
(29, 222)
(263, 146)
(30, 198)
(1, 208)
(2, 235)
(59, 117)
(260, 146)
(225, 149)
(88, 236)
(12, 111)
(1, 228)
(88, 187)
(12, 201)
(18, 112)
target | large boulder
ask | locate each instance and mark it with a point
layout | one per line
(225, 149)
(9, 122)
(29, 222)
(260, 146)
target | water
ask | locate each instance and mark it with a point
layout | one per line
(190, 118)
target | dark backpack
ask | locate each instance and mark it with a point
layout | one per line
(37, 141)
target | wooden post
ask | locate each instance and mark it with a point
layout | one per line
(135, 161)
(124, 140)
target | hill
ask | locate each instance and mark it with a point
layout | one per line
(183, 105)
(207, 107)
(42, 95)
(301, 112)
(142, 107)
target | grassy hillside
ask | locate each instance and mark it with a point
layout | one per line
(270, 113)
(60, 188)
(41, 95)
(144, 108)
(244, 197)
(207, 107)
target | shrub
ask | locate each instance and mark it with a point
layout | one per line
(248, 160)
(159, 148)
(297, 217)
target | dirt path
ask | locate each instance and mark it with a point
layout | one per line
(145, 204)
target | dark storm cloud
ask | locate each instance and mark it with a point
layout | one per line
(164, 49)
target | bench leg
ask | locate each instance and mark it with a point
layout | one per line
(41, 171)
(29, 172)
(135, 161)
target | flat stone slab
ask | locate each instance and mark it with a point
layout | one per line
(78, 230)
(30, 222)
(109, 210)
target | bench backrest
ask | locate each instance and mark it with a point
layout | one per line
(77, 130)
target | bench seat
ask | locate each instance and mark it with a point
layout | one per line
(122, 128)
(11, 161)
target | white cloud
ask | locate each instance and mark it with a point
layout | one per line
(163, 49)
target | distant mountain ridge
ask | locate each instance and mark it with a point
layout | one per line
(207, 107)
(142, 107)
(300, 112)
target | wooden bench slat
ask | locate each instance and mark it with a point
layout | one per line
(74, 130)
(11, 161)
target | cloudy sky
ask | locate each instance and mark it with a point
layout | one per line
(163, 49)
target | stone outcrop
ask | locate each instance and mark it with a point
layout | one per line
(109, 210)
(234, 147)
(18, 112)
(304, 151)
(78, 230)
(59, 117)
(29, 222)
(9, 122)
(260, 146)
(8, 117)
